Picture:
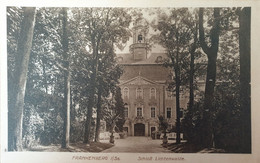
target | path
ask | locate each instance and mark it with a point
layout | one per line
(137, 145)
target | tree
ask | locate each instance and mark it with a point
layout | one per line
(48, 71)
(211, 52)
(119, 107)
(113, 113)
(175, 35)
(226, 114)
(188, 123)
(103, 24)
(192, 52)
(15, 111)
(45, 88)
(67, 76)
(58, 54)
(163, 124)
(99, 103)
(245, 94)
(107, 80)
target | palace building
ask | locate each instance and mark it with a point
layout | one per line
(144, 86)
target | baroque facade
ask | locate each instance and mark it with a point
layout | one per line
(144, 86)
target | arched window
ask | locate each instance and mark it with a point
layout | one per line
(140, 38)
(126, 93)
(169, 112)
(159, 59)
(152, 112)
(126, 111)
(139, 93)
(153, 93)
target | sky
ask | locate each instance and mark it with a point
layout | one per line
(155, 48)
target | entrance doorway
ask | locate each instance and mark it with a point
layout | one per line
(139, 129)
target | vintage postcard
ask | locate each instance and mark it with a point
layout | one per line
(129, 81)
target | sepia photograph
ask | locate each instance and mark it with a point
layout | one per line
(101, 82)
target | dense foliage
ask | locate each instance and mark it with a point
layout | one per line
(87, 63)
(226, 114)
(45, 103)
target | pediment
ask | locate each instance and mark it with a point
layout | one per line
(139, 81)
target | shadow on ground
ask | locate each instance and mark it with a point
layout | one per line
(74, 147)
(190, 148)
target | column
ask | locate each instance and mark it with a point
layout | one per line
(132, 129)
(146, 128)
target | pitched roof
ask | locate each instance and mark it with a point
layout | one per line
(138, 80)
(149, 68)
(153, 72)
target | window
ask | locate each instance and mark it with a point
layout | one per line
(126, 93)
(120, 59)
(152, 112)
(139, 93)
(153, 93)
(181, 112)
(126, 111)
(159, 59)
(139, 112)
(169, 113)
(140, 38)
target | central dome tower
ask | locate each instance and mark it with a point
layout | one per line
(140, 47)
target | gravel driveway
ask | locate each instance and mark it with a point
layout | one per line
(136, 144)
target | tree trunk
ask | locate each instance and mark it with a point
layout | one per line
(192, 58)
(90, 110)
(208, 105)
(177, 76)
(191, 100)
(66, 125)
(91, 92)
(245, 93)
(178, 122)
(98, 115)
(66, 111)
(207, 133)
(15, 112)
(44, 74)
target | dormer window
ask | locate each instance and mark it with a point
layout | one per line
(159, 59)
(120, 59)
